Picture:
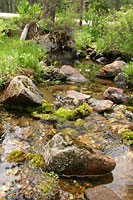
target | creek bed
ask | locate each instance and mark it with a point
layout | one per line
(20, 131)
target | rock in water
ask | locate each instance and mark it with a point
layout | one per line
(116, 95)
(100, 105)
(65, 155)
(100, 193)
(72, 74)
(76, 95)
(111, 70)
(21, 91)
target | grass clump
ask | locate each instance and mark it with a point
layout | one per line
(127, 136)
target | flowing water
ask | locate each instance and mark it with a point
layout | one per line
(19, 131)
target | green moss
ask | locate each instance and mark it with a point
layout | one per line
(49, 117)
(38, 161)
(46, 112)
(127, 136)
(79, 122)
(80, 112)
(16, 156)
(46, 107)
(50, 184)
(20, 156)
(63, 113)
(29, 156)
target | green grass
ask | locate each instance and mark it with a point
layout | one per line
(17, 56)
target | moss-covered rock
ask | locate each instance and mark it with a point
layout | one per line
(19, 156)
(42, 116)
(38, 161)
(46, 112)
(16, 156)
(79, 122)
(46, 107)
(127, 136)
(80, 112)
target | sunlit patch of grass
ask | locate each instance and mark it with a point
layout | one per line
(15, 55)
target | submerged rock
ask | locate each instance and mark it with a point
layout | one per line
(72, 74)
(100, 193)
(21, 92)
(100, 105)
(67, 156)
(111, 70)
(76, 95)
(116, 95)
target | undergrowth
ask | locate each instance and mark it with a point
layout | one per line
(19, 57)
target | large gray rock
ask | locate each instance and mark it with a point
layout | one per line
(66, 156)
(72, 74)
(100, 193)
(21, 91)
(100, 105)
(111, 70)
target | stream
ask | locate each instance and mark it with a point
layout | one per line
(18, 130)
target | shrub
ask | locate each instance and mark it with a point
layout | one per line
(28, 11)
(96, 23)
(118, 36)
(83, 38)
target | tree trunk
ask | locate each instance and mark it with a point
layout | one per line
(49, 9)
(2, 5)
(10, 6)
(117, 5)
(81, 11)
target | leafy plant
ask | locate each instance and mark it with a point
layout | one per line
(128, 72)
(96, 23)
(119, 33)
(30, 11)
(83, 38)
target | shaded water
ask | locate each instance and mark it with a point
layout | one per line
(20, 131)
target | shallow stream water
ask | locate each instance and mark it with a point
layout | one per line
(20, 131)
